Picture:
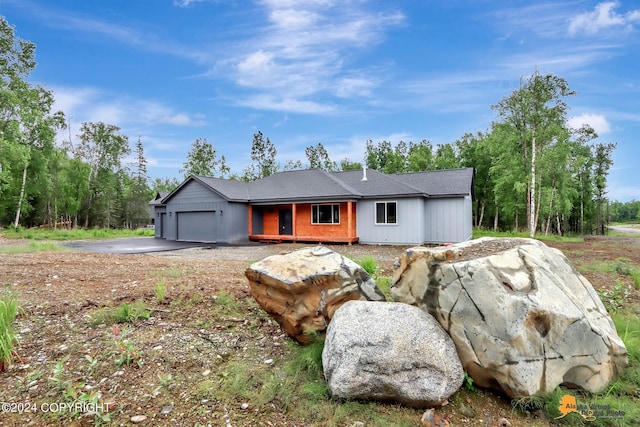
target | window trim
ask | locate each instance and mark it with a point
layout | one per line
(386, 212)
(317, 205)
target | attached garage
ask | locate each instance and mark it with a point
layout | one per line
(198, 226)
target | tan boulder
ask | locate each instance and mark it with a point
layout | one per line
(302, 289)
(523, 319)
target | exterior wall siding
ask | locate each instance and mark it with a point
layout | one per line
(231, 219)
(160, 215)
(448, 220)
(304, 227)
(409, 229)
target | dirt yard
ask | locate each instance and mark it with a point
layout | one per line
(68, 354)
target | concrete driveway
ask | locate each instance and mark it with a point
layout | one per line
(132, 245)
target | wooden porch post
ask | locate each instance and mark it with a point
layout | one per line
(293, 219)
(350, 219)
(250, 220)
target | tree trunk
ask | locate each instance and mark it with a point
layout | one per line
(581, 206)
(532, 211)
(479, 224)
(24, 184)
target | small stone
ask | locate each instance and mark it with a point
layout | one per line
(166, 410)
(503, 422)
(431, 419)
(467, 410)
(157, 348)
(137, 419)
(267, 361)
(206, 372)
(244, 406)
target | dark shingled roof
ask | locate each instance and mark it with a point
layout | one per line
(310, 184)
(230, 189)
(157, 200)
(448, 182)
(318, 185)
(377, 184)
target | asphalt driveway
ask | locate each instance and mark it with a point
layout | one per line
(132, 245)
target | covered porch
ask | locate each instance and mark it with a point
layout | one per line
(326, 222)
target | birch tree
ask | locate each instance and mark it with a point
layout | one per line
(535, 114)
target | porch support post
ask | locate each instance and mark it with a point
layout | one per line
(350, 230)
(293, 219)
(250, 220)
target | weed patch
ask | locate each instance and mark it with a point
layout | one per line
(9, 309)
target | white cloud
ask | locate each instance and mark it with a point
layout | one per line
(286, 104)
(597, 122)
(187, 3)
(602, 17)
(300, 52)
(354, 86)
(88, 104)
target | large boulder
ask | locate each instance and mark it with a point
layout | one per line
(523, 319)
(302, 289)
(390, 352)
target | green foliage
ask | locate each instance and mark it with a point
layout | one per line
(263, 156)
(227, 302)
(202, 159)
(124, 313)
(73, 234)
(25, 383)
(9, 309)
(32, 247)
(130, 313)
(125, 350)
(160, 291)
(318, 158)
(614, 299)
(368, 264)
(58, 378)
(468, 383)
(481, 232)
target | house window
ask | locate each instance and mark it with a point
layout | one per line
(386, 212)
(325, 214)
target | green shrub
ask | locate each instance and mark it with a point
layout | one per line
(9, 309)
(368, 264)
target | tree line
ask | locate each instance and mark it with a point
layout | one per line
(531, 170)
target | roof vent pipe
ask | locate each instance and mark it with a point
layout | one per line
(364, 173)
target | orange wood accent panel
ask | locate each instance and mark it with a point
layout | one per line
(270, 220)
(304, 227)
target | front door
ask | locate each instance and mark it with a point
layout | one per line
(285, 223)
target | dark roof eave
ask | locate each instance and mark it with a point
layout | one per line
(259, 202)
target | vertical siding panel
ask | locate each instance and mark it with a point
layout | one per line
(448, 220)
(408, 231)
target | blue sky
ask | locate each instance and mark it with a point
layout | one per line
(338, 72)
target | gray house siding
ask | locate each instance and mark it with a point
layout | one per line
(448, 220)
(160, 219)
(408, 230)
(195, 213)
